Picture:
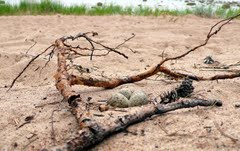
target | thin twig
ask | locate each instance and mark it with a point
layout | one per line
(31, 46)
(33, 140)
(51, 103)
(92, 42)
(29, 63)
(26, 122)
(209, 35)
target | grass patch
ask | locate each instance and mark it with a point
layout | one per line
(211, 12)
(48, 7)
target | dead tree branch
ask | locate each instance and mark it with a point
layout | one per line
(92, 128)
(111, 83)
(68, 50)
(93, 132)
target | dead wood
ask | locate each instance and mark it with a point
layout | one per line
(92, 131)
(111, 83)
(62, 76)
(94, 126)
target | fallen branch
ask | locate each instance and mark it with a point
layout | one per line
(114, 82)
(93, 132)
(111, 83)
(94, 127)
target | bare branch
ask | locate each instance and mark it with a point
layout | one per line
(159, 68)
(94, 132)
(92, 42)
(31, 46)
(29, 63)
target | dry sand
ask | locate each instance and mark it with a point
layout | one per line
(187, 129)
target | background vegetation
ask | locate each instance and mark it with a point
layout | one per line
(47, 7)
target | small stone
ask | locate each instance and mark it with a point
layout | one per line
(237, 105)
(142, 132)
(126, 92)
(138, 98)
(15, 145)
(44, 98)
(103, 108)
(29, 118)
(118, 100)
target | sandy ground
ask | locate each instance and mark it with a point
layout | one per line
(187, 129)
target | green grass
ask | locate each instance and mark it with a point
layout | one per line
(47, 7)
(209, 12)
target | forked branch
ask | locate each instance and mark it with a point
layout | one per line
(111, 83)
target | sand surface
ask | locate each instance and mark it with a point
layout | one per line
(187, 129)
